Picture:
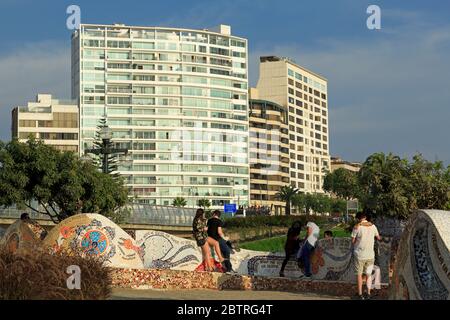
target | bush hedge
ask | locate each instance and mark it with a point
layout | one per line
(42, 276)
(271, 221)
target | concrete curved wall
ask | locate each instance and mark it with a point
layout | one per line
(96, 235)
(422, 267)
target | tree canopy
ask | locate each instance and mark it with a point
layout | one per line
(317, 203)
(204, 203)
(343, 183)
(179, 202)
(61, 183)
(396, 187)
(286, 194)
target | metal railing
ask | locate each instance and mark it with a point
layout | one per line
(160, 215)
(137, 214)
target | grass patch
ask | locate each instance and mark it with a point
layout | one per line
(276, 244)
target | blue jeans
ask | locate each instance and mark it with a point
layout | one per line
(305, 257)
(226, 252)
(225, 249)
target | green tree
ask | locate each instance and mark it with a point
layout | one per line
(99, 144)
(343, 183)
(430, 184)
(322, 203)
(285, 194)
(179, 202)
(204, 203)
(386, 186)
(61, 183)
(338, 206)
(308, 203)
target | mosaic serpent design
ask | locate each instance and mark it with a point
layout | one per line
(167, 262)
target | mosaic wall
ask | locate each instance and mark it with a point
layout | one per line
(332, 260)
(421, 271)
(97, 235)
(23, 236)
(94, 234)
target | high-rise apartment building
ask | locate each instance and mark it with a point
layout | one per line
(177, 99)
(269, 153)
(304, 94)
(53, 121)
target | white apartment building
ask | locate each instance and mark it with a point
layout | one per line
(53, 121)
(177, 99)
(304, 94)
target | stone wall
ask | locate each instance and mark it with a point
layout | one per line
(422, 266)
(179, 280)
(251, 234)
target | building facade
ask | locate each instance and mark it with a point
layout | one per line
(304, 95)
(338, 163)
(269, 153)
(53, 121)
(177, 99)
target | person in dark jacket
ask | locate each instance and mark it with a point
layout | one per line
(292, 244)
(215, 231)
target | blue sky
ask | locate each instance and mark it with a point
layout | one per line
(388, 89)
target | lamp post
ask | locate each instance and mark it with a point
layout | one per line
(106, 149)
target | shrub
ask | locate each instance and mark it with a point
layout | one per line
(270, 221)
(42, 276)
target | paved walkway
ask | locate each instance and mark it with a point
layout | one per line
(154, 294)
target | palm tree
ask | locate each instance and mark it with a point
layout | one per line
(204, 203)
(285, 194)
(179, 202)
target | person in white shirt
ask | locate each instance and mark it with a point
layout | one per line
(304, 255)
(363, 239)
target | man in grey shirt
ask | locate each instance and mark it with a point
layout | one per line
(363, 239)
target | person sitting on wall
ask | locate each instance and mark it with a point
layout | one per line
(25, 216)
(199, 230)
(304, 255)
(292, 244)
(215, 231)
